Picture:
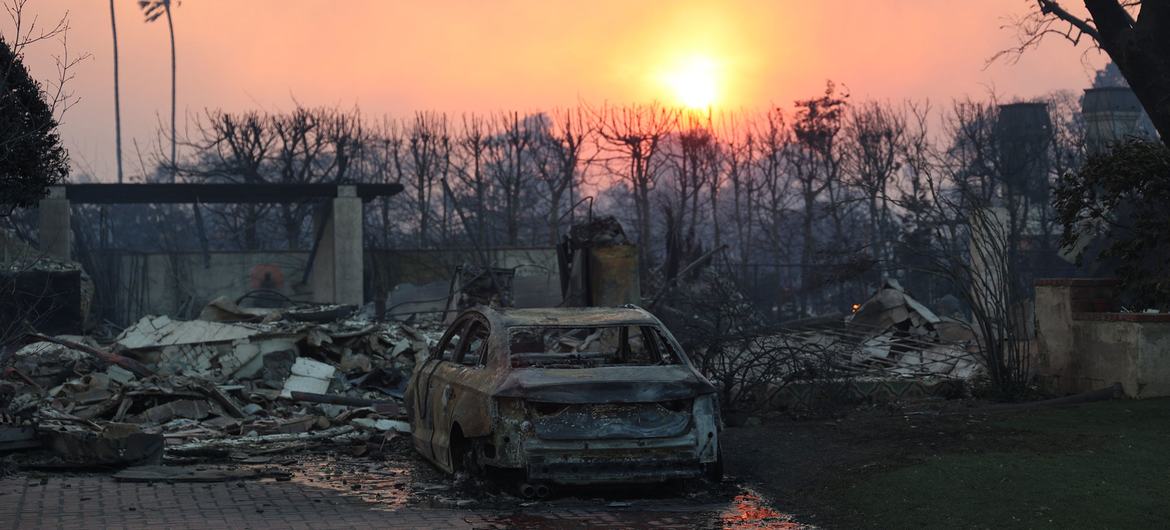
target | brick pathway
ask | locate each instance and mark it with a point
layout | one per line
(96, 501)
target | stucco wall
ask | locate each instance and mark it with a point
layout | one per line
(180, 284)
(1082, 348)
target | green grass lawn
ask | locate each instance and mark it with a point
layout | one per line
(1099, 465)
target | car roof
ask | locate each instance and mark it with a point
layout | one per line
(568, 316)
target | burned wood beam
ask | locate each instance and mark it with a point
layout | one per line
(215, 193)
(132, 365)
(340, 400)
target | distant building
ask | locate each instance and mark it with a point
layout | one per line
(1024, 134)
(1111, 115)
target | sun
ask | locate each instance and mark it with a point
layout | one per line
(694, 81)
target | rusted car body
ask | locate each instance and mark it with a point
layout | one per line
(564, 396)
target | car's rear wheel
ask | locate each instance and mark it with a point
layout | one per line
(462, 455)
(714, 470)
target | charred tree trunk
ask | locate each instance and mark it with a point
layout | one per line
(1141, 50)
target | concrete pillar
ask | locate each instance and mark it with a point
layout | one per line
(338, 266)
(56, 234)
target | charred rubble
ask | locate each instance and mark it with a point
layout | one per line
(891, 345)
(237, 384)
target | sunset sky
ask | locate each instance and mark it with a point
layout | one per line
(396, 57)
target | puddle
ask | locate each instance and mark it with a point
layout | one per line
(393, 485)
(748, 510)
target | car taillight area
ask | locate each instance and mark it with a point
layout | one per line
(606, 421)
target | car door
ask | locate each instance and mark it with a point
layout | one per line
(429, 376)
(460, 392)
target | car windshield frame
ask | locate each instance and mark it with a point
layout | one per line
(659, 348)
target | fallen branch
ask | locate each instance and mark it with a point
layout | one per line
(259, 441)
(385, 406)
(12, 370)
(132, 365)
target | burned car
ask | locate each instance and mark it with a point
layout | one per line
(564, 396)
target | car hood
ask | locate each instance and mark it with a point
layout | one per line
(611, 384)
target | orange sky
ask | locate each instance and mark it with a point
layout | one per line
(396, 57)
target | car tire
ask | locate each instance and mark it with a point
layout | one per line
(714, 470)
(463, 457)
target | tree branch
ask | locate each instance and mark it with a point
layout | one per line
(1052, 7)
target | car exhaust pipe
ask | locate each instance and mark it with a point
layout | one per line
(528, 491)
(542, 491)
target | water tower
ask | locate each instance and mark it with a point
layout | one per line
(1112, 114)
(1024, 135)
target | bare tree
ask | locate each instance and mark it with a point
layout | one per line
(972, 249)
(630, 142)
(298, 145)
(429, 150)
(232, 148)
(692, 155)
(559, 162)
(386, 156)
(510, 166)
(972, 159)
(875, 133)
(739, 149)
(815, 160)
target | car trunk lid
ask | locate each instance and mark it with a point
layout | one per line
(611, 384)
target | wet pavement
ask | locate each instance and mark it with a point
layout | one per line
(353, 493)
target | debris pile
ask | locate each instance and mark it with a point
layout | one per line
(907, 339)
(892, 335)
(891, 346)
(238, 383)
(49, 294)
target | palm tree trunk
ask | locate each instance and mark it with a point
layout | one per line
(117, 99)
(171, 27)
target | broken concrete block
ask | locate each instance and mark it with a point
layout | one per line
(383, 425)
(247, 358)
(157, 332)
(309, 368)
(300, 383)
(14, 437)
(318, 337)
(48, 364)
(400, 346)
(237, 363)
(119, 430)
(96, 381)
(277, 366)
(119, 375)
(184, 408)
(187, 359)
(308, 376)
(93, 395)
(116, 444)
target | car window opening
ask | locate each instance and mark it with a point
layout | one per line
(589, 347)
(473, 345)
